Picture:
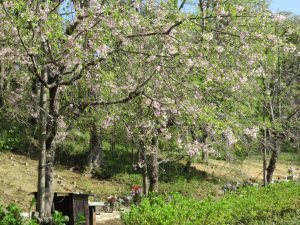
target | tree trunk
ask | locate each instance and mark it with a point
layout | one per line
(298, 148)
(203, 139)
(206, 132)
(273, 160)
(144, 169)
(298, 144)
(205, 157)
(34, 99)
(49, 186)
(202, 6)
(47, 135)
(132, 155)
(154, 167)
(50, 148)
(264, 152)
(112, 140)
(95, 149)
(42, 150)
(145, 180)
(187, 166)
(2, 77)
(265, 158)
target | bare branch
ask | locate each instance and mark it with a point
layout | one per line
(167, 32)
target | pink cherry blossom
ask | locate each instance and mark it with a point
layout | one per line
(239, 8)
(279, 18)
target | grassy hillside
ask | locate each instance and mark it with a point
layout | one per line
(19, 178)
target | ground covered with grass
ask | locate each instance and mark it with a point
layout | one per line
(19, 177)
(274, 204)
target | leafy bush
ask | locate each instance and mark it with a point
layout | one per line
(13, 136)
(58, 218)
(12, 216)
(278, 203)
(80, 219)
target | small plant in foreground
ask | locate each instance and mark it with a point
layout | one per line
(12, 216)
(58, 218)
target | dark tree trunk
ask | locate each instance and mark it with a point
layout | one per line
(265, 158)
(113, 140)
(95, 149)
(154, 167)
(132, 155)
(49, 185)
(187, 166)
(2, 77)
(34, 90)
(50, 148)
(273, 160)
(205, 141)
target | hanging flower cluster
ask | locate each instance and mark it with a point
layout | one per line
(193, 148)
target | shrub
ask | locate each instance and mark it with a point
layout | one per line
(276, 203)
(13, 136)
(12, 216)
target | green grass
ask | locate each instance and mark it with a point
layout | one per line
(275, 204)
(288, 157)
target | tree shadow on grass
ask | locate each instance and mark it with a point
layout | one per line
(169, 172)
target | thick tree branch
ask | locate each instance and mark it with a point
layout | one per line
(144, 53)
(56, 6)
(182, 5)
(73, 79)
(178, 23)
(293, 114)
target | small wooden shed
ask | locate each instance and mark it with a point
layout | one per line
(72, 205)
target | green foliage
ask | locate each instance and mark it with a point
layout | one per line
(11, 215)
(13, 135)
(58, 218)
(276, 203)
(73, 150)
(115, 165)
(80, 219)
(191, 187)
(71, 154)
